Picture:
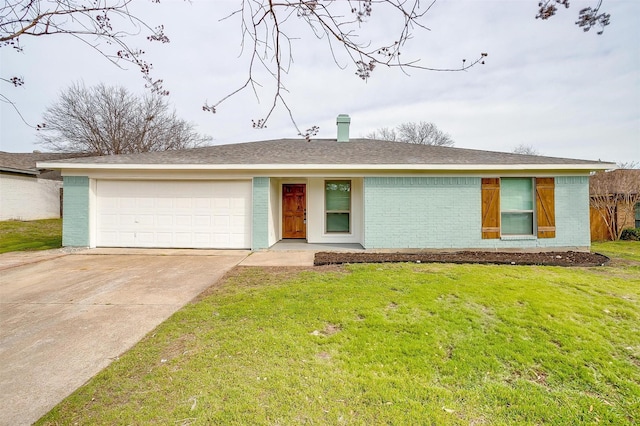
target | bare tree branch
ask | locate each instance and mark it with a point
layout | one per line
(266, 35)
(89, 21)
(263, 24)
(588, 17)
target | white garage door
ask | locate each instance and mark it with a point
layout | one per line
(180, 214)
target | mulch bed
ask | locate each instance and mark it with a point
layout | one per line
(565, 258)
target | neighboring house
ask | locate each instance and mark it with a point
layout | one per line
(613, 200)
(379, 194)
(26, 192)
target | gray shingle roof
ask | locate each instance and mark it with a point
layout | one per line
(327, 151)
(25, 162)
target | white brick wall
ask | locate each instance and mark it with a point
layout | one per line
(28, 198)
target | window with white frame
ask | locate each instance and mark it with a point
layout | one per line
(517, 206)
(337, 197)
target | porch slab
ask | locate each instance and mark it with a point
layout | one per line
(279, 258)
(302, 245)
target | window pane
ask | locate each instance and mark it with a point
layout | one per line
(516, 194)
(338, 195)
(517, 223)
(337, 222)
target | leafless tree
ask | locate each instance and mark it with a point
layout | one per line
(614, 194)
(104, 120)
(525, 149)
(628, 165)
(384, 133)
(421, 133)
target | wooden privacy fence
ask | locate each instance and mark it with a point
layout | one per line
(599, 230)
(624, 218)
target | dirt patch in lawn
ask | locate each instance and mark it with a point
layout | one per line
(568, 258)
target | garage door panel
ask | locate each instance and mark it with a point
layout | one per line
(125, 220)
(236, 239)
(164, 203)
(221, 221)
(109, 220)
(145, 203)
(125, 203)
(111, 203)
(238, 203)
(183, 237)
(145, 220)
(221, 203)
(202, 221)
(164, 221)
(202, 203)
(109, 237)
(145, 238)
(221, 239)
(237, 223)
(127, 238)
(163, 237)
(183, 221)
(189, 214)
(182, 203)
(203, 239)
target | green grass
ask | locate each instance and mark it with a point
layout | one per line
(386, 344)
(629, 250)
(32, 235)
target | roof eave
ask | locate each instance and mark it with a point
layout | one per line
(407, 167)
(20, 171)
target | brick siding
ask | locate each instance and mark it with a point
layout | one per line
(75, 220)
(260, 213)
(445, 212)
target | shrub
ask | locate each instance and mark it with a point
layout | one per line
(630, 234)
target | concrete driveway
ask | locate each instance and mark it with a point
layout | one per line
(64, 317)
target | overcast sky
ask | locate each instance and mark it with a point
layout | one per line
(546, 84)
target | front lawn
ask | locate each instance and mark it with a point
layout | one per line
(16, 235)
(629, 250)
(385, 344)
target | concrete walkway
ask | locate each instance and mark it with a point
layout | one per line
(66, 316)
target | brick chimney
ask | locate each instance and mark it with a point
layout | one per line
(343, 122)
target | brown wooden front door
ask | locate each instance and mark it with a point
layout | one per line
(294, 211)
